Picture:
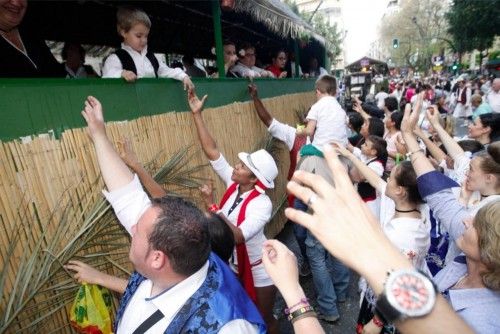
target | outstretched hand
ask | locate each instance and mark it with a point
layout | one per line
(195, 103)
(188, 84)
(127, 153)
(253, 91)
(410, 119)
(433, 116)
(84, 273)
(207, 193)
(92, 112)
(281, 265)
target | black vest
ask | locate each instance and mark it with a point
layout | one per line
(129, 65)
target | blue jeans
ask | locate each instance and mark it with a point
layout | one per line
(300, 232)
(330, 276)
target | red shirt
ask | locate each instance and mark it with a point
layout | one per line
(275, 70)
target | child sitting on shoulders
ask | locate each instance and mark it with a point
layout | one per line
(134, 60)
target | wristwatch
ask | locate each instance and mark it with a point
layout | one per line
(408, 293)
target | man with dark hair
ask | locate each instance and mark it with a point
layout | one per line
(178, 285)
(391, 104)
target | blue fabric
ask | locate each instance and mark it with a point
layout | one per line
(433, 182)
(330, 276)
(219, 300)
(439, 247)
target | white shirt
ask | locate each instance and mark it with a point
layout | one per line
(113, 66)
(250, 72)
(258, 212)
(129, 203)
(493, 99)
(331, 122)
(283, 132)
(411, 236)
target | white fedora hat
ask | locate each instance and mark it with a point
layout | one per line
(262, 164)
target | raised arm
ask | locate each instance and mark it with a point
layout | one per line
(207, 142)
(420, 163)
(262, 112)
(368, 174)
(130, 158)
(435, 151)
(454, 150)
(357, 108)
(114, 171)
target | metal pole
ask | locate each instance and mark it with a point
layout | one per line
(219, 51)
(297, 58)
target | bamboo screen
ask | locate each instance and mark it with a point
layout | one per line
(51, 207)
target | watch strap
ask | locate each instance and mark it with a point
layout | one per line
(385, 311)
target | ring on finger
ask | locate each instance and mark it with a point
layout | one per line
(312, 199)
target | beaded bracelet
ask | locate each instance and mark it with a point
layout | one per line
(302, 301)
(300, 311)
(213, 208)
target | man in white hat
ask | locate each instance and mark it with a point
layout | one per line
(246, 208)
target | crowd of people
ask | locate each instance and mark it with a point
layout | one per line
(385, 190)
(28, 56)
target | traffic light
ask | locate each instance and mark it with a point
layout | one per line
(395, 43)
(454, 67)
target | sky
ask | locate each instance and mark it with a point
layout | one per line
(361, 19)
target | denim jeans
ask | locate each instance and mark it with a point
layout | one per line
(300, 232)
(330, 276)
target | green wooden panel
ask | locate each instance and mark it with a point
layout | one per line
(33, 106)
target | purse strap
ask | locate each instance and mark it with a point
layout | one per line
(149, 322)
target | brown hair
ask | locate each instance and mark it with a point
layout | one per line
(487, 225)
(327, 84)
(406, 177)
(490, 161)
(127, 17)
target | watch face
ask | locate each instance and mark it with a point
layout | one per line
(411, 293)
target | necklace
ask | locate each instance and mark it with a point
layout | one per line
(407, 211)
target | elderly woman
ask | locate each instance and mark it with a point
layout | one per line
(471, 283)
(23, 55)
(246, 209)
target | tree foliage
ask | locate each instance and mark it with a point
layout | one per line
(420, 27)
(322, 26)
(474, 24)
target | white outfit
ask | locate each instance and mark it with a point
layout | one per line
(380, 97)
(129, 203)
(411, 236)
(331, 122)
(258, 213)
(378, 168)
(397, 94)
(493, 99)
(250, 72)
(283, 132)
(463, 108)
(113, 66)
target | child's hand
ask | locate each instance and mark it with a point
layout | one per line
(194, 102)
(84, 273)
(188, 84)
(127, 153)
(129, 76)
(207, 193)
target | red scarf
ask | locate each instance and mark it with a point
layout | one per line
(244, 267)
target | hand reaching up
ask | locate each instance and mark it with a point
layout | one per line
(195, 103)
(127, 153)
(92, 112)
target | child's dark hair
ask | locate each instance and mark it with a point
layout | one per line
(327, 84)
(406, 177)
(67, 45)
(391, 103)
(356, 121)
(375, 127)
(221, 237)
(397, 118)
(127, 17)
(380, 146)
